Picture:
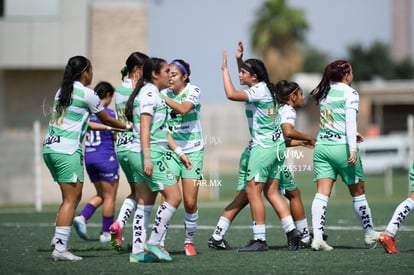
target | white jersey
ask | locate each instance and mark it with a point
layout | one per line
(149, 101)
(66, 131)
(333, 113)
(287, 114)
(263, 117)
(186, 129)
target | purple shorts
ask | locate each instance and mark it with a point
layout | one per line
(103, 171)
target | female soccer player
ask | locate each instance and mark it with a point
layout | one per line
(148, 110)
(62, 151)
(336, 151)
(184, 125)
(133, 71)
(102, 166)
(387, 238)
(290, 97)
(266, 140)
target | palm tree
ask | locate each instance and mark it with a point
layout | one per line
(275, 36)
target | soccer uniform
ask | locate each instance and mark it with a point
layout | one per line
(62, 149)
(286, 180)
(149, 101)
(187, 132)
(100, 159)
(331, 145)
(266, 135)
(124, 139)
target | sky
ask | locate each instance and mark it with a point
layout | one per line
(199, 31)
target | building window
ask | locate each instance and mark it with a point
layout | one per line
(1, 8)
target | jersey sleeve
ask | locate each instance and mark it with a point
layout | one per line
(93, 102)
(287, 115)
(147, 102)
(352, 100)
(193, 95)
(253, 94)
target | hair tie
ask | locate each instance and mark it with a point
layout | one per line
(124, 72)
(180, 66)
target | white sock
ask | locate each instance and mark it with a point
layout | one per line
(363, 213)
(125, 212)
(190, 225)
(62, 234)
(139, 227)
(319, 208)
(287, 224)
(164, 214)
(259, 231)
(302, 226)
(222, 227)
(400, 214)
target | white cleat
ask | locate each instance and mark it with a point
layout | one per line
(371, 239)
(320, 245)
(80, 226)
(105, 237)
(65, 256)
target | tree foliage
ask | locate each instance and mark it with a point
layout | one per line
(376, 62)
(275, 35)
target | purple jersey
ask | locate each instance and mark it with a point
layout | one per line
(100, 157)
(99, 145)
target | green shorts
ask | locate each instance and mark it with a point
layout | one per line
(161, 173)
(329, 161)
(286, 180)
(263, 162)
(178, 169)
(243, 162)
(65, 168)
(124, 158)
(412, 178)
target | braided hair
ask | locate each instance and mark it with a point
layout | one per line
(334, 72)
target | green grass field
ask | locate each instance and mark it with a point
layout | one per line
(25, 237)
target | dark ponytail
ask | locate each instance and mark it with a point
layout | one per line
(153, 64)
(334, 72)
(256, 66)
(283, 89)
(134, 59)
(73, 71)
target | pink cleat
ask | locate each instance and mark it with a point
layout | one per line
(116, 235)
(388, 243)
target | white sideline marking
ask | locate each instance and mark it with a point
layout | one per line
(206, 227)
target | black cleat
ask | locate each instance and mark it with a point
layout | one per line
(293, 239)
(254, 246)
(219, 245)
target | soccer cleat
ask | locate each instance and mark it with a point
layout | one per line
(371, 239)
(116, 235)
(254, 246)
(293, 239)
(305, 244)
(64, 256)
(164, 250)
(219, 245)
(105, 237)
(52, 244)
(80, 226)
(320, 245)
(189, 249)
(156, 251)
(142, 257)
(388, 243)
